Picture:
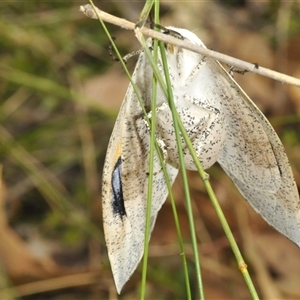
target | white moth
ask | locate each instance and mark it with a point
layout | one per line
(223, 124)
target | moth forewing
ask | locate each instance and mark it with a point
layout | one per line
(130, 143)
(253, 155)
(255, 159)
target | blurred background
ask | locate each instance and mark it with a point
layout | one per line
(59, 96)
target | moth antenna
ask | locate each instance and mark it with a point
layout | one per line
(110, 51)
(131, 54)
(124, 58)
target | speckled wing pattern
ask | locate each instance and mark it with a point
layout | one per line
(224, 126)
(255, 159)
(253, 155)
(125, 227)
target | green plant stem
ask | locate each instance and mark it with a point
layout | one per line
(146, 10)
(183, 171)
(241, 263)
(151, 168)
(207, 185)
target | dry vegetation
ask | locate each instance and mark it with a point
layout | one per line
(60, 93)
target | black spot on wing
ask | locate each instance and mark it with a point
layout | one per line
(117, 189)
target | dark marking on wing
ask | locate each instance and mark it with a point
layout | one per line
(277, 162)
(117, 189)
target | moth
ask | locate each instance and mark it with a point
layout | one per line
(224, 125)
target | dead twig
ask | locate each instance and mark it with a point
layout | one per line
(95, 13)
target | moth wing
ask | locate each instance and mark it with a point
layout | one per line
(124, 227)
(253, 156)
(255, 159)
